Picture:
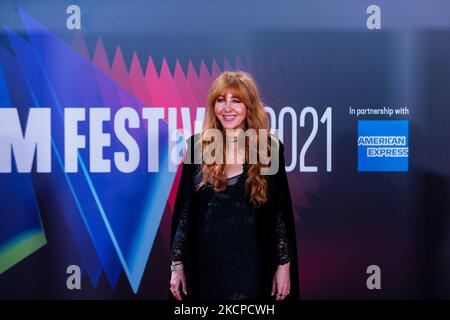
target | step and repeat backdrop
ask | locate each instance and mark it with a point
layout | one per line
(92, 92)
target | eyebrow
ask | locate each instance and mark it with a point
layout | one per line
(221, 95)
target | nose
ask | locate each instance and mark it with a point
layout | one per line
(227, 105)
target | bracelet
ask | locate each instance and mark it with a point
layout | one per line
(178, 266)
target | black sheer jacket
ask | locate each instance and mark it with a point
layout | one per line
(276, 228)
(178, 244)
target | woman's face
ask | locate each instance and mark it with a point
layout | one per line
(230, 111)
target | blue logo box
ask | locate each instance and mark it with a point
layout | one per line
(383, 145)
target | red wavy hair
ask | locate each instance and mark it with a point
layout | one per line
(243, 86)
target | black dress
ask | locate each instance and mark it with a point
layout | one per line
(230, 262)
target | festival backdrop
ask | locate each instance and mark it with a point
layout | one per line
(90, 91)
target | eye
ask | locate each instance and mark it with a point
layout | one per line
(236, 101)
(219, 100)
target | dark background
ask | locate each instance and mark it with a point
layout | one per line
(301, 53)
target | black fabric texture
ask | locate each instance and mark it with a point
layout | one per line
(230, 249)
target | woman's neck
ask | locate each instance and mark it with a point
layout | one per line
(234, 155)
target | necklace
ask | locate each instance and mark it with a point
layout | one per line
(232, 140)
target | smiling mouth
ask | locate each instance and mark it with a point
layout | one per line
(229, 118)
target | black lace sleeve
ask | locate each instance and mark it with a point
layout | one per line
(284, 254)
(176, 252)
(283, 207)
(180, 211)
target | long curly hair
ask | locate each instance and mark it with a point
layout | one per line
(243, 86)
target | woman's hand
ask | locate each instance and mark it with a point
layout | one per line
(178, 277)
(281, 283)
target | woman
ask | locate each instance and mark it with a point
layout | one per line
(233, 233)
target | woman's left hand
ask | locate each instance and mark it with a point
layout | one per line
(281, 283)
